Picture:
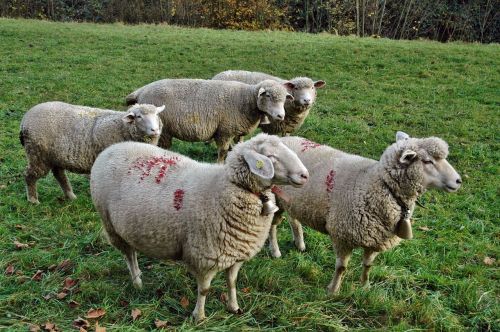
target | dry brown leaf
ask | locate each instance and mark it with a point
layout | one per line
(424, 228)
(47, 297)
(20, 245)
(37, 276)
(184, 302)
(33, 328)
(488, 260)
(95, 313)
(246, 290)
(52, 267)
(65, 265)
(223, 297)
(149, 267)
(69, 283)
(73, 304)
(61, 295)
(19, 226)
(124, 303)
(160, 324)
(99, 328)
(10, 270)
(135, 314)
(50, 327)
(80, 323)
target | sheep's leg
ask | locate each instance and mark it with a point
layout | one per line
(231, 276)
(273, 238)
(165, 141)
(204, 282)
(368, 258)
(133, 266)
(298, 234)
(343, 257)
(223, 147)
(33, 173)
(63, 182)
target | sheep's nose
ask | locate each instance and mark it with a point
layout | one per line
(280, 116)
(304, 176)
(307, 101)
(459, 181)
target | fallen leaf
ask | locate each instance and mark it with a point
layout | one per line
(124, 303)
(47, 297)
(95, 313)
(159, 292)
(65, 265)
(99, 328)
(73, 304)
(69, 283)
(10, 270)
(184, 302)
(488, 260)
(149, 267)
(33, 328)
(49, 327)
(424, 228)
(135, 314)
(246, 290)
(37, 276)
(52, 267)
(19, 226)
(20, 245)
(160, 324)
(3, 186)
(81, 323)
(61, 295)
(223, 297)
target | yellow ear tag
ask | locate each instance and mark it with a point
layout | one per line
(259, 164)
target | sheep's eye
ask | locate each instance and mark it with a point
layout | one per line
(139, 116)
(428, 162)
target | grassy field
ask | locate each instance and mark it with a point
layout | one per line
(446, 278)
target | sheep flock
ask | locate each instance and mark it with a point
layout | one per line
(215, 216)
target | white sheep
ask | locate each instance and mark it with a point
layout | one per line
(303, 90)
(201, 110)
(59, 136)
(362, 202)
(169, 206)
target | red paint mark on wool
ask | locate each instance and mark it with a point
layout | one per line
(178, 199)
(280, 193)
(307, 144)
(330, 181)
(147, 166)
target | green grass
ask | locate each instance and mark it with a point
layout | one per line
(437, 281)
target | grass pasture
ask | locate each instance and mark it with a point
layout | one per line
(446, 278)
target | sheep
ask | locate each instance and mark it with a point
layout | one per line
(210, 216)
(58, 136)
(361, 202)
(303, 90)
(201, 110)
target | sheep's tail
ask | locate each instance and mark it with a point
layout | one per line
(131, 99)
(21, 137)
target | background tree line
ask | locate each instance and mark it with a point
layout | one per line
(442, 20)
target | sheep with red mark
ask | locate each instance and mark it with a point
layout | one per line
(202, 110)
(210, 216)
(303, 90)
(362, 202)
(58, 136)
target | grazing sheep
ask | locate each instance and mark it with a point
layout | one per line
(201, 110)
(361, 202)
(59, 136)
(207, 215)
(303, 90)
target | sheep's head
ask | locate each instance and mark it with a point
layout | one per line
(269, 162)
(145, 119)
(303, 90)
(271, 99)
(428, 156)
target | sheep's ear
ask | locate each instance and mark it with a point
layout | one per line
(129, 118)
(259, 164)
(400, 135)
(160, 109)
(408, 156)
(319, 84)
(262, 91)
(289, 97)
(289, 85)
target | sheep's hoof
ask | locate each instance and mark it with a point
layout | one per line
(70, 196)
(33, 200)
(198, 317)
(332, 291)
(276, 253)
(301, 247)
(236, 311)
(137, 284)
